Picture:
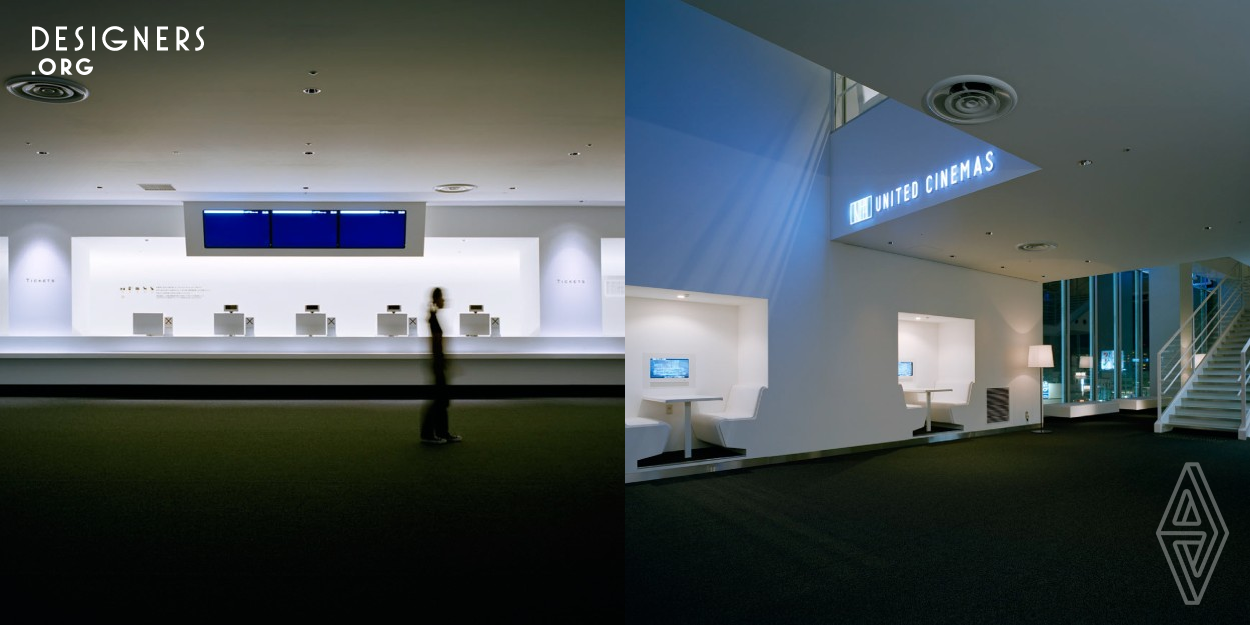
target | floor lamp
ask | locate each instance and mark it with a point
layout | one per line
(1041, 356)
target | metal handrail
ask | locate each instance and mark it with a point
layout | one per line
(1242, 377)
(1181, 370)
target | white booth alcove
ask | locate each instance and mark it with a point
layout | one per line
(937, 369)
(721, 342)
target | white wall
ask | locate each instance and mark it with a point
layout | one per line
(613, 268)
(117, 276)
(568, 296)
(728, 187)
(957, 351)
(918, 343)
(4, 285)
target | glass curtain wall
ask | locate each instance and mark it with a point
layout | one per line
(1099, 330)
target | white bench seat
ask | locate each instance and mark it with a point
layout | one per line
(644, 438)
(728, 427)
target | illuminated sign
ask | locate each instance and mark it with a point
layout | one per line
(866, 207)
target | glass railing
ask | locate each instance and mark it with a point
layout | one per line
(851, 99)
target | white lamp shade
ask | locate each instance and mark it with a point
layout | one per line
(1041, 356)
(1086, 362)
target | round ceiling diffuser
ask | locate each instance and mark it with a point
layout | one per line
(970, 99)
(455, 188)
(51, 89)
(1036, 247)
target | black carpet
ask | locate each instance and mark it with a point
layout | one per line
(244, 508)
(1012, 528)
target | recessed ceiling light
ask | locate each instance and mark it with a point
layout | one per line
(988, 233)
(48, 89)
(455, 188)
(1085, 162)
(1040, 246)
(312, 91)
(312, 72)
(575, 153)
(683, 296)
(1206, 227)
(41, 153)
(309, 153)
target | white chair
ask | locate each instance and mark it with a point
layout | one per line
(727, 427)
(915, 406)
(945, 404)
(644, 438)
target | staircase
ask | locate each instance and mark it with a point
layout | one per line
(1213, 401)
(1211, 394)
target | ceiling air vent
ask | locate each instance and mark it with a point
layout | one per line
(48, 89)
(1036, 247)
(455, 188)
(157, 187)
(970, 99)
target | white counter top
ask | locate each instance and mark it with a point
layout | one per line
(321, 347)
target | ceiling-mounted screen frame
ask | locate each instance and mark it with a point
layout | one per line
(414, 228)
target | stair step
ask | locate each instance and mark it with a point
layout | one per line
(1208, 413)
(1200, 424)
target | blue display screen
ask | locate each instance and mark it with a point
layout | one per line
(670, 368)
(372, 229)
(904, 369)
(236, 228)
(305, 229)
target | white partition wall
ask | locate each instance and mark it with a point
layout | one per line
(613, 272)
(4, 285)
(118, 276)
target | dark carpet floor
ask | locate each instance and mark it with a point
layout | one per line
(242, 508)
(1013, 528)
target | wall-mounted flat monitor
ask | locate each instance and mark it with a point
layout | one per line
(236, 228)
(392, 325)
(670, 369)
(310, 324)
(305, 229)
(381, 229)
(472, 324)
(904, 369)
(229, 324)
(149, 324)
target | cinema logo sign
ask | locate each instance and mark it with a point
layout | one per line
(867, 207)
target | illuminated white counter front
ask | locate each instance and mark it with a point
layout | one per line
(347, 361)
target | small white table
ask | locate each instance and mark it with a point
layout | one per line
(928, 403)
(682, 399)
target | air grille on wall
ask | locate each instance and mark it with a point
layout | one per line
(157, 187)
(997, 406)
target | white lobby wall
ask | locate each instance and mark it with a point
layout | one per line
(918, 343)
(613, 262)
(117, 276)
(40, 237)
(728, 190)
(708, 332)
(4, 285)
(956, 354)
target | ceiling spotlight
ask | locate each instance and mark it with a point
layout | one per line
(312, 72)
(309, 153)
(49, 89)
(1085, 162)
(1206, 227)
(987, 233)
(455, 188)
(44, 153)
(970, 99)
(575, 153)
(312, 91)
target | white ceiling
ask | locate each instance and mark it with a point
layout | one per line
(488, 92)
(1154, 93)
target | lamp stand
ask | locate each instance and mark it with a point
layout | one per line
(1041, 413)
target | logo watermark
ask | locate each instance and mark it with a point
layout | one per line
(1192, 533)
